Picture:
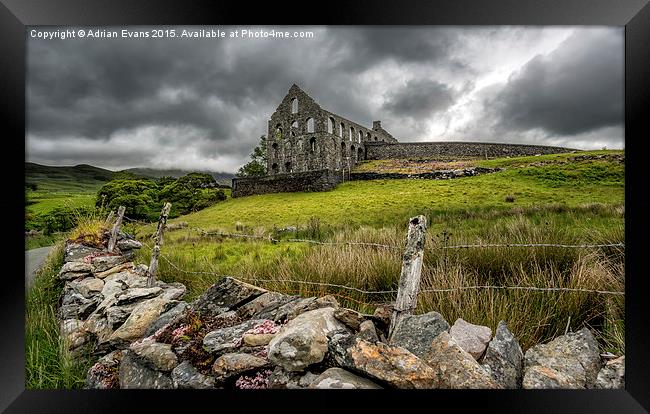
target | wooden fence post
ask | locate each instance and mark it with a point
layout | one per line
(153, 265)
(116, 228)
(409, 281)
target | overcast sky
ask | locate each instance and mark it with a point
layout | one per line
(203, 103)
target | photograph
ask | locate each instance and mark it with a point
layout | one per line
(325, 207)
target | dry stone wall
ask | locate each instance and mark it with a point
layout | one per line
(237, 335)
(321, 180)
(381, 151)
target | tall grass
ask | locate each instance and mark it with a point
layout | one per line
(48, 364)
(533, 316)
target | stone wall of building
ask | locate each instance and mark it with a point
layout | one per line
(302, 136)
(321, 180)
(378, 151)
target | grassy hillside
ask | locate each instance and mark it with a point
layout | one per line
(547, 199)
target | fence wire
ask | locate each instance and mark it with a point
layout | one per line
(393, 291)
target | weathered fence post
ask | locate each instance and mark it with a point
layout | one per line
(153, 265)
(409, 281)
(116, 228)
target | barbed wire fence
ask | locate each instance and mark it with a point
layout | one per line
(306, 287)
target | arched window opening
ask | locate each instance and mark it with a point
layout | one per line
(312, 144)
(274, 168)
(278, 131)
(330, 125)
(360, 136)
(341, 129)
(294, 106)
(287, 167)
(375, 138)
(360, 155)
(351, 133)
(368, 136)
(310, 125)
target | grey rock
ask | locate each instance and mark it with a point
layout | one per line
(106, 262)
(303, 340)
(338, 378)
(136, 294)
(294, 308)
(417, 332)
(99, 327)
(168, 317)
(472, 338)
(185, 376)
(568, 361)
(173, 291)
(264, 305)
(227, 294)
(73, 333)
(282, 379)
(456, 368)
(76, 267)
(154, 354)
(113, 287)
(128, 244)
(306, 380)
(612, 375)
(117, 315)
(234, 364)
(367, 331)
(388, 364)
(504, 359)
(351, 319)
(226, 340)
(135, 375)
(75, 252)
(143, 315)
(104, 373)
(88, 287)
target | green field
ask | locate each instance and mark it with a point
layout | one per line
(543, 199)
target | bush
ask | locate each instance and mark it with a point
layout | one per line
(510, 198)
(62, 218)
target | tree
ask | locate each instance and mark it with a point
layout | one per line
(257, 165)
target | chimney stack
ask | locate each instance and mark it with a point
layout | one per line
(376, 125)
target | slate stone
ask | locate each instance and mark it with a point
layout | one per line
(388, 364)
(338, 378)
(569, 361)
(185, 376)
(135, 375)
(504, 359)
(303, 340)
(417, 332)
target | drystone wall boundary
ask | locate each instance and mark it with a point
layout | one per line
(384, 150)
(321, 180)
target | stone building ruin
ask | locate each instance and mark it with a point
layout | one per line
(312, 149)
(302, 136)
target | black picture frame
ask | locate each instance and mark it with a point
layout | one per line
(15, 15)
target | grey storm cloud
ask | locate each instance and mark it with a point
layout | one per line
(419, 98)
(575, 89)
(203, 103)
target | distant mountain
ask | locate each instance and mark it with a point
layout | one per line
(88, 177)
(220, 177)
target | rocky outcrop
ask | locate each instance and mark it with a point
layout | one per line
(236, 335)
